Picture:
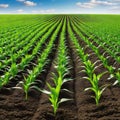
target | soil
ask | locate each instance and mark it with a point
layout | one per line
(13, 105)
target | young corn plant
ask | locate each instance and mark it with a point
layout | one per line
(95, 86)
(14, 69)
(117, 75)
(55, 92)
(89, 68)
(111, 69)
(4, 79)
(9, 75)
(25, 60)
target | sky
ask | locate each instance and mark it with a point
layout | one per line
(59, 6)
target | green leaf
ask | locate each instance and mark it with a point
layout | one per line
(100, 75)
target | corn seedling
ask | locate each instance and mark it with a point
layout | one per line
(117, 75)
(95, 86)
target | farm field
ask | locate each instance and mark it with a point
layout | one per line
(60, 67)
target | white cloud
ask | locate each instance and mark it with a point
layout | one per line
(20, 11)
(29, 3)
(50, 11)
(4, 5)
(43, 11)
(115, 9)
(85, 5)
(94, 3)
(104, 3)
(115, 0)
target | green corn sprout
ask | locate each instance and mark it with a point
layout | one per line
(14, 69)
(118, 59)
(5, 79)
(95, 86)
(117, 75)
(54, 95)
(111, 69)
(89, 68)
(28, 83)
(10, 74)
(25, 61)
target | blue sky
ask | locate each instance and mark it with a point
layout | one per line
(59, 6)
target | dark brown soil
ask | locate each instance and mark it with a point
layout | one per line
(13, 105)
